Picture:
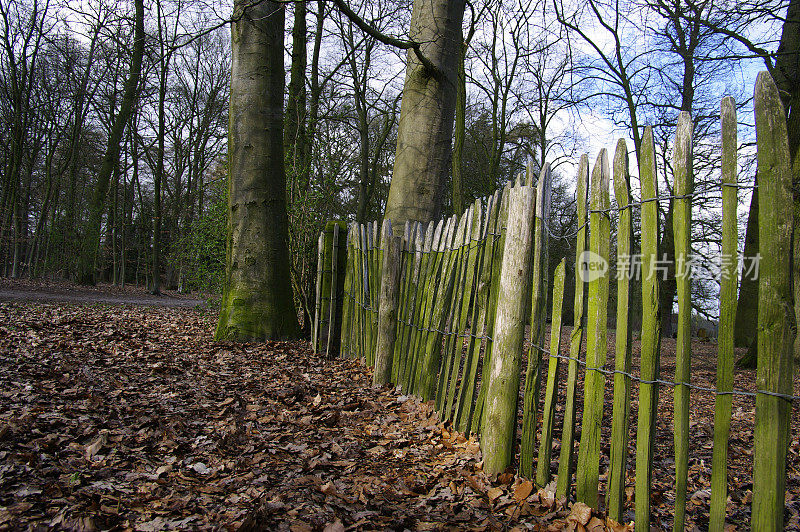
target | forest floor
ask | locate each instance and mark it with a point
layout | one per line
(106, 294)
(132, 418)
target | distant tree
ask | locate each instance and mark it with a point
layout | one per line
(91, 239)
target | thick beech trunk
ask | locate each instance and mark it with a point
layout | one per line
(257, 300)
(425, 132)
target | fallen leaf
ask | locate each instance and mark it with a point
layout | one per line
(580, 513)
(523, 490)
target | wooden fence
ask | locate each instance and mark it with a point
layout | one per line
(442, 310)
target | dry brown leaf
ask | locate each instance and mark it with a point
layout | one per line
(580, 513)
(523, 490)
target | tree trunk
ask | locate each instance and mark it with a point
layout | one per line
(295, 133)
(257, 302)
(460, 133)
(786, 73)
(91, 239)
(425, 132)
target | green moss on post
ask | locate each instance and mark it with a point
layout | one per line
(432, 233)
(406, 266)
(465, 405)
(502, 392)
(651, 332)
(318, 299)
(551, 390)
(775, 308)
(429, 367)
(727, 318)
(498, 247)
(530, 405)
(566, 458)
(588, 471)
(347, 302)
(622, 359)
(428, 296)
(413, 305)
(387, 305)
(682, 217)
(451, 356)
(468, 290)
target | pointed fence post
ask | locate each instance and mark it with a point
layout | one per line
(727, 318)
(318, 294)
(551, 391)
(347, 300)
(530, 408)
(478, 326)
(331, 346)
(651, 332)
(620, 423)
(682, 216)
(775, 308)
(387, 304)
(509, 333)
(588, 472)
(497, 250)
(567, 455)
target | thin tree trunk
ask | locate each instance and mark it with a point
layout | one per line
(91, 241)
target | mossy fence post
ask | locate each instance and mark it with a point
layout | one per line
(727, 318)
(330, 289)
(775, 308)
(387, 304)
(530, 408)
(651, 332)
(551, 390)
(567, 454)
(682, 216)
(621, 412)
(513, 301)
(588, 471)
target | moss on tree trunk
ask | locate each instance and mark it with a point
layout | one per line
(257, 301)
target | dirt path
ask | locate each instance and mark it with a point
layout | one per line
(63, 292)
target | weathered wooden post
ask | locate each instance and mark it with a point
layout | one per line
(318, 292)
(387, 304)
(509, 333)
(566, 457)
(431, 357)
(329, 290)
(775, 308)
(622, 359)
(403, 306)
(469, 294)
(727, 317)
(551, 390)
(682, 216)
(348, 299)
(334, 311)
(651, 331)
(478, 326)
(530, 405)
(588, 471)
(497, 250)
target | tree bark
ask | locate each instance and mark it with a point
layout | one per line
(786, 73)
(424, 138)
(257, 302)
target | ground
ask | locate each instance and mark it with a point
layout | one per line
(131, 417)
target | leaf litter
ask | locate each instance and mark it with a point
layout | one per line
(131, 418)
